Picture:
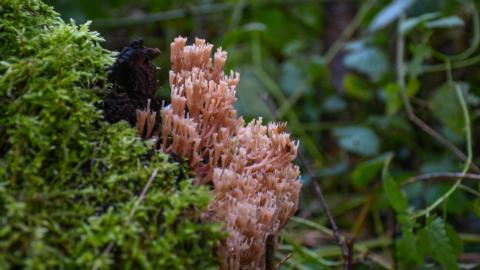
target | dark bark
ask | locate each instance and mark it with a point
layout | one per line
(270, 252)
(339, 14)
(134, 81)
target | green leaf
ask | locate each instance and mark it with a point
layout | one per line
(447, 108)
(406, 249)
(392, 190)
(306, 255)
(410, 23)
(436, 243)
(389, 14)
(357, 87)
(357, 139)
(366, 171)
(311, 15)
(254, 27)
(333, 170)
(370, 61)
(334, 104)
(452, 21)
(249, 102)
(356, 44)
(292, 77)
(457, 203)
(455, 240)
(393, 98)
(420, 53)
(279, 31)
(476, 207)
(423, 246)
(413, 86)
(294, 47)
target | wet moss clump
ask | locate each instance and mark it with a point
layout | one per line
(69, 181)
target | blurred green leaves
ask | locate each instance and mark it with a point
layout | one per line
(476, 207)
(406, 249)
(430, 21)
(389, 13)
(292, 77)
(435, 241)
(279, 30)
(334, 104)
(447, 108)
(393, 98)
(371, 61)
(452, 21)
(392, 189)
(436, 238)
(250, 102)
(357, 87)
(411, 23)
(366, 171)
(358, 139)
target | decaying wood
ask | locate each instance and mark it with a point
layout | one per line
(134, 82)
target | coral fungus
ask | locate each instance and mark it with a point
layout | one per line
(255, 183)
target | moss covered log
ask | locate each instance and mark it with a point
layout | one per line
(68, 179)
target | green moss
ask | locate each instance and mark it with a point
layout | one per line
(68, 180)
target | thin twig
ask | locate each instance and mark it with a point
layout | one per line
(439, 138)
(346, 250)
(365, 246)
(447, 176)
(469, 190)
(285, 259)
(142, 195)
(110, 246)
(460, 64)
(314, 225)
(443, 175)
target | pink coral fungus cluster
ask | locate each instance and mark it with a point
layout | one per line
(255, 183)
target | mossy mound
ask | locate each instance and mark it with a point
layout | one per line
(68, 179)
